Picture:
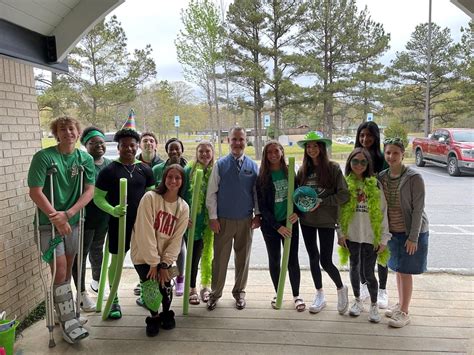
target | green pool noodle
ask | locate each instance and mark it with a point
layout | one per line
(289, 225)
(121, 250)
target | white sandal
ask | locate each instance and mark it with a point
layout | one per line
(205, 294)
(274, 302)
(300, 306)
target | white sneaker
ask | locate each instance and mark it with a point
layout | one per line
(391, 310)
(94, 287)
(319, 302)
(87, 305)
(342, 300)
(364, 292)
(374, 315)
(357, 308)
(399, 319)
(382, 298)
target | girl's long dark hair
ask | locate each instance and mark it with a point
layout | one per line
(374, 150)
(161, 189)
(370, 166)
(325, 175)
(264, 174)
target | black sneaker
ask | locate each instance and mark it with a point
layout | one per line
(137, 290)
(152, 326)
(140, 302)
(211, 304)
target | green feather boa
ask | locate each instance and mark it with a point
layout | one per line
(205, 180)
(206, 257)
(372, 192)
(207, 235)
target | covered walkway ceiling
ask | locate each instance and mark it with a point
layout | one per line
(43, 32)
(465, 5)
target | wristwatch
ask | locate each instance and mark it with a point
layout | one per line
(163, 266)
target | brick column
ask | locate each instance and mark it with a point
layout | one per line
(20, 137)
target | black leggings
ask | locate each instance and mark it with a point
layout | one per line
(326, 244)
(197, 253)
(383, 275)
(93, 244)
(363, 258)
(166, 292)
(274, 241)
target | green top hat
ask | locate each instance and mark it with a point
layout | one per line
(313, 137)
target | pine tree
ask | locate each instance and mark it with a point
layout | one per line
(103, 73)
(409, 73)
(283, 18)
(199, 49)
(334, 34)
(246, 22)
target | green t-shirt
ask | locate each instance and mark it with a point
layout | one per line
(158, 170)
(66, 182)
(280, 183)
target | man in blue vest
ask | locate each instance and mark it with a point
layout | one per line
(231, 201)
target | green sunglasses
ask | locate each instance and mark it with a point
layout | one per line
(395, 141)
(362, 162)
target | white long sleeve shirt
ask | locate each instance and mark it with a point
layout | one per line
(158, 230)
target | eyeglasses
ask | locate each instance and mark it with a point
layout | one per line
(362, 162)
(395, 141)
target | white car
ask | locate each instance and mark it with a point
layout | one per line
(345, 140)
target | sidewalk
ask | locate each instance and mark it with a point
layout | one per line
(442, 314)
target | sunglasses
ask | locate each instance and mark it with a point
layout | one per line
(396, 141)
(362, 162)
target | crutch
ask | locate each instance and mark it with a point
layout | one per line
(48, 289)
(81, 246)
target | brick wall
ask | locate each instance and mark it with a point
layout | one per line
(20, 137)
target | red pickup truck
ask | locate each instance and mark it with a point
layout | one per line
(450, 147)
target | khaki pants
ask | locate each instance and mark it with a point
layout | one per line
(240, 232)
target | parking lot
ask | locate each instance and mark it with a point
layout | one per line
(450, 209)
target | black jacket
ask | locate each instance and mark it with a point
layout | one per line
(266, 205)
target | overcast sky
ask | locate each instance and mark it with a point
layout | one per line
(158, 23)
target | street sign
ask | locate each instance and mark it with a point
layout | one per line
(176, 121)
(266, 121)
(370, 117)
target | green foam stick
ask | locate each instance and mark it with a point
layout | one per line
(103, 276)
(189, 252)
(121, 250)
(48, 255)
(289, 225)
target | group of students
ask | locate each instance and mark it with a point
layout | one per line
(370, 207)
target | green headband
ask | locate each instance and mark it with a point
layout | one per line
(91, 134)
